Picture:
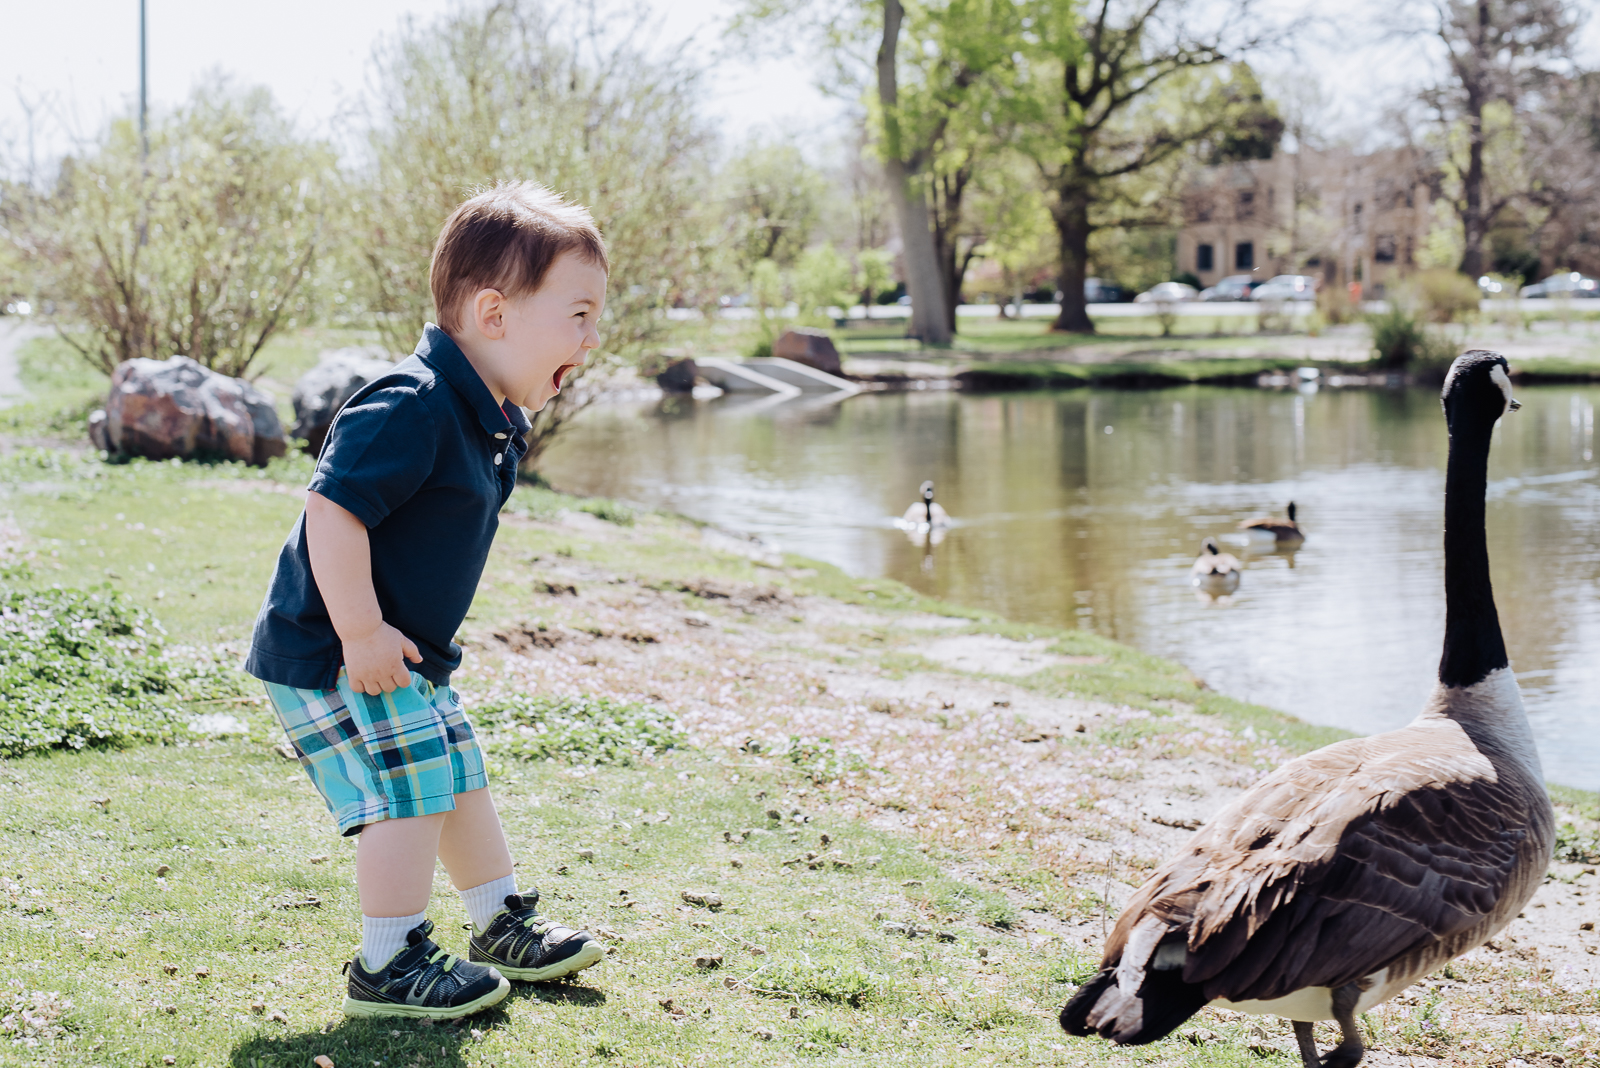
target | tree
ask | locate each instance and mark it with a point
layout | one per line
(1100, 116)
(774, 197)
(1563, 140)
(1497, 52)
(566, 96)
(931, 70)
(205, 249)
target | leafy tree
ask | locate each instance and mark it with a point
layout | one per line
(931, 71)
(1114, 97)
(567, 96)
(774, 198)
(205, 249)
(1499, 53)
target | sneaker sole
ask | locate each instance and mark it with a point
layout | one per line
(353, 1007)
(588, 955)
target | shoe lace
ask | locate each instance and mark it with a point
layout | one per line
(450, 959)
(537, 923)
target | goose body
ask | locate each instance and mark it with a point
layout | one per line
(1353, 871)
(1214, 571)
(925, 514)
(1270, 531)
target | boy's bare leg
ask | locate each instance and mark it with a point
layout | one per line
(472, 844)
(394, 864)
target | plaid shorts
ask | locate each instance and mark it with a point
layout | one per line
(406, 753)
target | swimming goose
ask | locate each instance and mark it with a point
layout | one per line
(1214, 571)
(1349, 873)
(1272, 531)
(925, 514)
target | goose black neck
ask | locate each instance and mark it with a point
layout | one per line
(1473, 645)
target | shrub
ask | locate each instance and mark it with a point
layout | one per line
(582, 729)
(81, 668)
(1447, 295)
(1401, 341)
(205, 249)
(1335, 305)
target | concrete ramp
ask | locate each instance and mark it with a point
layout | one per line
(732, 376)
(801, 376)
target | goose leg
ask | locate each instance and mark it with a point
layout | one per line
(1309, 1056)
(1348, 1053)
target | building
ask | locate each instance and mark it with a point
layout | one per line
(1342, 216)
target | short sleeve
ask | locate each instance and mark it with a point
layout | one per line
(379, 452)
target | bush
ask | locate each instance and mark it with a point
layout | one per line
(1335, 305)
(1447, 295)
(81, 668)
(206, 249)
(1401, 341)
(583, 729)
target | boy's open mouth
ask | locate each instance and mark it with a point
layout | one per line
(561, 374)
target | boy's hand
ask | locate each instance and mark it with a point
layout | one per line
(377, 663)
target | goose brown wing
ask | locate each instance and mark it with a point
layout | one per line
(1338, 864)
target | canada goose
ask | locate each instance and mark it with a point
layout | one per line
(1351, 872)
(1271, 531)
(925, 514)
(1215, 571)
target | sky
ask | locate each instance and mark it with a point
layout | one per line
(80, 60)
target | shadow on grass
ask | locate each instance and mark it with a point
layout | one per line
(410, 1042)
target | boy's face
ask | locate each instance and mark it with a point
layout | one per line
(524, 347)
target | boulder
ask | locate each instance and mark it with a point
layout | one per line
(814, 348)
(322, 391)
(679, 376)
(176, 408)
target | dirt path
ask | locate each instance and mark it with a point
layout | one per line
(13, 332)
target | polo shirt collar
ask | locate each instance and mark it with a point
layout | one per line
(438, 351)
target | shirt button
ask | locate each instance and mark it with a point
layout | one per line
(497, 458)
(501, 437)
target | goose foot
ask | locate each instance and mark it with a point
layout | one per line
(1349, 1051)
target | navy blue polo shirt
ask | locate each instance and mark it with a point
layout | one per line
(425, 458)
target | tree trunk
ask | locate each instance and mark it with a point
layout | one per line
(952, 268)
(929, 314)
(1071, 217)
(1473, 223)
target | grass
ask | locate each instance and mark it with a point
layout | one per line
(123, 873)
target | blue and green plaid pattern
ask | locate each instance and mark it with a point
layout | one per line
(406, 753)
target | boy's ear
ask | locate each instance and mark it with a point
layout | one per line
(487, 312)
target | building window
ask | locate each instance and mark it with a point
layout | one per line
(1204, 259)
(1244, 256)
(1383, 248)
(1247, 205)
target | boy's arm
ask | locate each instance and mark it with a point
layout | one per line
(375, 654)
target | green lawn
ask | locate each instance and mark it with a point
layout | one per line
(192, 901)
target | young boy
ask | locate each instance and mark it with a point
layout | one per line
(380, 570)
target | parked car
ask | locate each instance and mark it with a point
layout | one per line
(1097, 292)
(1566, 284)
(1287, 287)
(1167, 293)
(1233, 287)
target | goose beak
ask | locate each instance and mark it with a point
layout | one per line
(1513, 405)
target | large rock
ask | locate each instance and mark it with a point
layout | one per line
(176, 408)
(679, 376)
(322, 391)
(814, 348)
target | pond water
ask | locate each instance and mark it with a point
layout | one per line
(1086, 508)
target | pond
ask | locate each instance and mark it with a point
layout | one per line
(1086, 508)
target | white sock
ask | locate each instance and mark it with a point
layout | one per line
(384, 936)
(484, 901)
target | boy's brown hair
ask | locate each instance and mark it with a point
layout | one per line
(506, 238)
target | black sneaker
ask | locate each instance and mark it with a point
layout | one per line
(422, 981)
(521, 944)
